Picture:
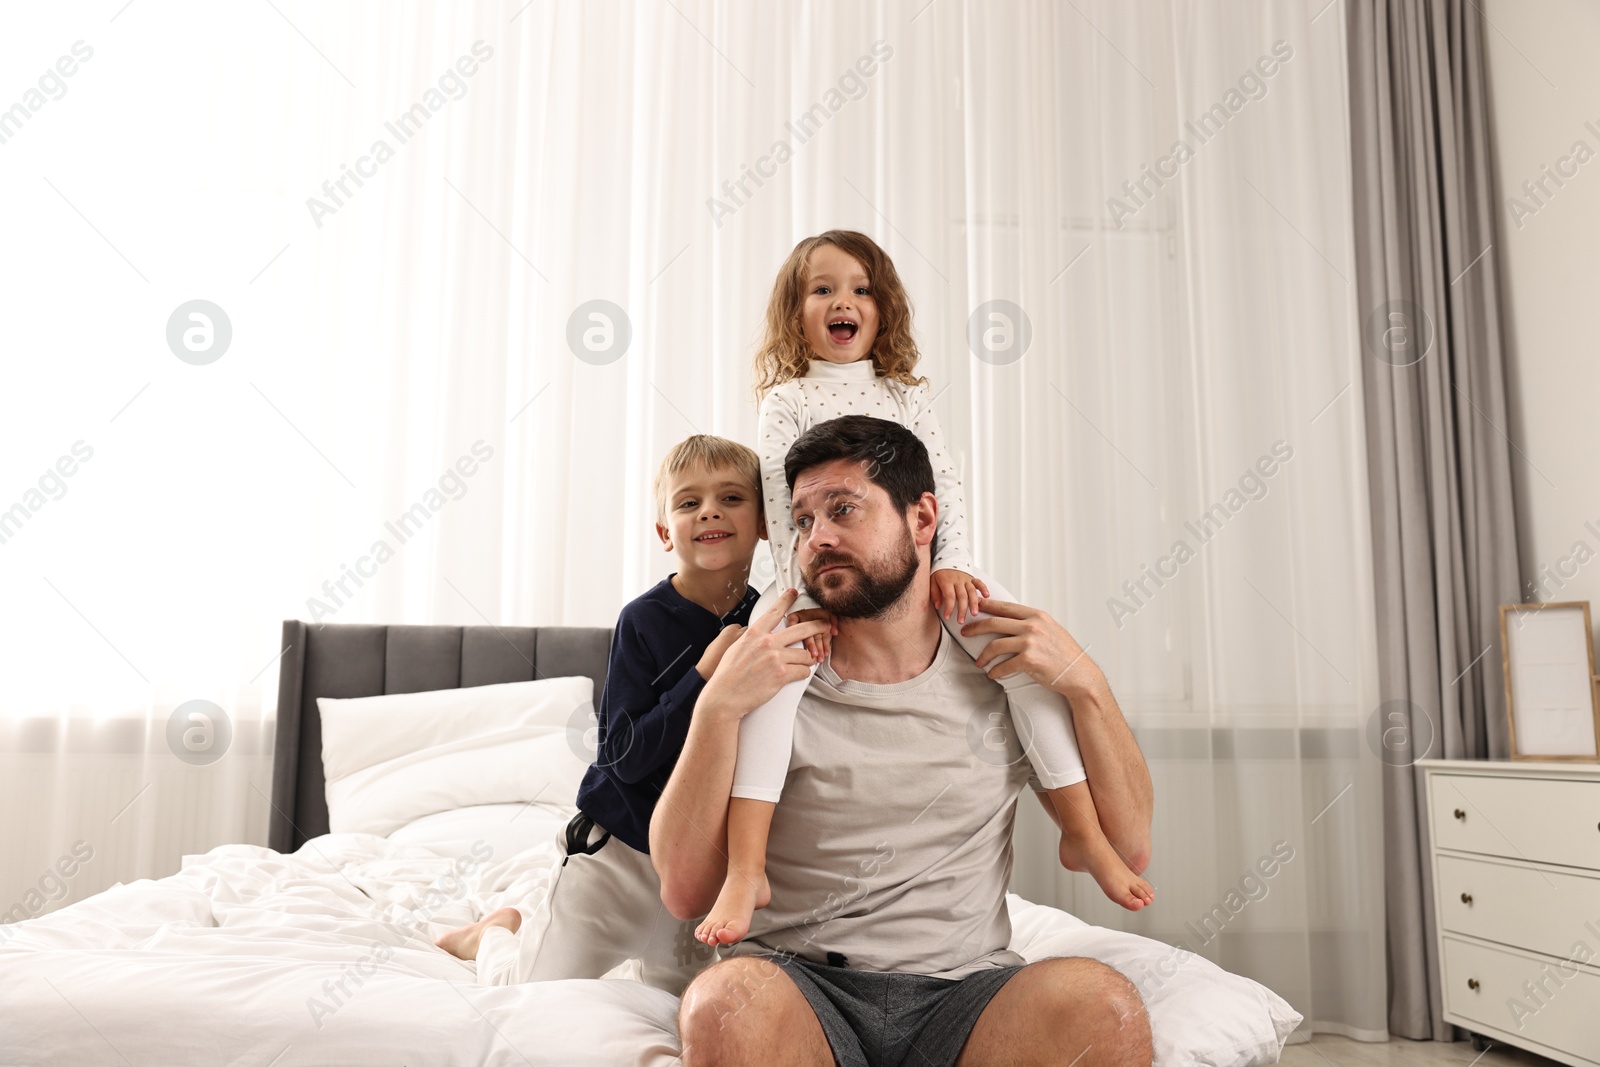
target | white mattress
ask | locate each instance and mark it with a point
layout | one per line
(237, 959)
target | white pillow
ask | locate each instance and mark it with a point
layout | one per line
(389, 760)
(509, 829)
(1199, 1013)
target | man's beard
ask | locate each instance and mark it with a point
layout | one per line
(877, 584)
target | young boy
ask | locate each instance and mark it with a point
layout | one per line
(603, 906)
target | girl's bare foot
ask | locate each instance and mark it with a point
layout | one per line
(462, 942)
(1084, 848)
(1127, 888)
(1118, 883)
(729, 918)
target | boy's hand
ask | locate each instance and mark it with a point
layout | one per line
(958, 592)
(820, 645)
(713, 653)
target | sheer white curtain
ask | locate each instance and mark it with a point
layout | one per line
(1175, 466)
(1184, 341)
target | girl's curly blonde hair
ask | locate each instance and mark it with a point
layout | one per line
(784, 352)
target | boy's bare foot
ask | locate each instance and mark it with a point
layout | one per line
(1118, 883)
(462, 942)
(729, 918)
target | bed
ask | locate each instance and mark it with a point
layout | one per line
(319, 949)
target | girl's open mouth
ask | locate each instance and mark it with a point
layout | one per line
(843, 331)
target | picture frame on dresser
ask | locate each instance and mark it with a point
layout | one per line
(1552, 691)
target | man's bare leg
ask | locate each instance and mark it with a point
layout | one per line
(1069, 1010)
(462, 942)
(746, 1010)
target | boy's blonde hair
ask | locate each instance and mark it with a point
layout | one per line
(784, 353)
(707, 452)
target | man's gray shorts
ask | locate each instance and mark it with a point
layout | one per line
(890, 1020)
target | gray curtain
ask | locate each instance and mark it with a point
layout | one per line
(1439, 459)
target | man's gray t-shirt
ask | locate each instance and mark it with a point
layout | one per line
(891, 845)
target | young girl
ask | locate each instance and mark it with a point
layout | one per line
(838, 342)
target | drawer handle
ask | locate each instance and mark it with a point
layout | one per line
(1472, 984)
(1461, 815)
(1466, 898)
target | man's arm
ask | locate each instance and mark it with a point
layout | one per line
(689, 830)
(1119, 781)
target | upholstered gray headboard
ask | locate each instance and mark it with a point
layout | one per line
(350, 660)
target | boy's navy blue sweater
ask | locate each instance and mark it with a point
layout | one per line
(651, 687)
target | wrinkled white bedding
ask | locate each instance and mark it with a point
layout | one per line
(326, 956)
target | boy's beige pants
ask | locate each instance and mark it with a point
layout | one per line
(601, 910)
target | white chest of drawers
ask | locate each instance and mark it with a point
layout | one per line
(1516, 877)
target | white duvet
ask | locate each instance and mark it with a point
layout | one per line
(321, 957)
(325, 956)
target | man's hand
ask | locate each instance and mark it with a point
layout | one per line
(714, 651)
(956, 591)
(1039, 647)
(759, 663)
(689, 829)
(820, 645)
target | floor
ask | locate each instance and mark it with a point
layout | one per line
(1327, 1050)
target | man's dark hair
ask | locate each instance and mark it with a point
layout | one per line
(896, 460)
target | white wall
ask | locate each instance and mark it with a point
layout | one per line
(1544, 87)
